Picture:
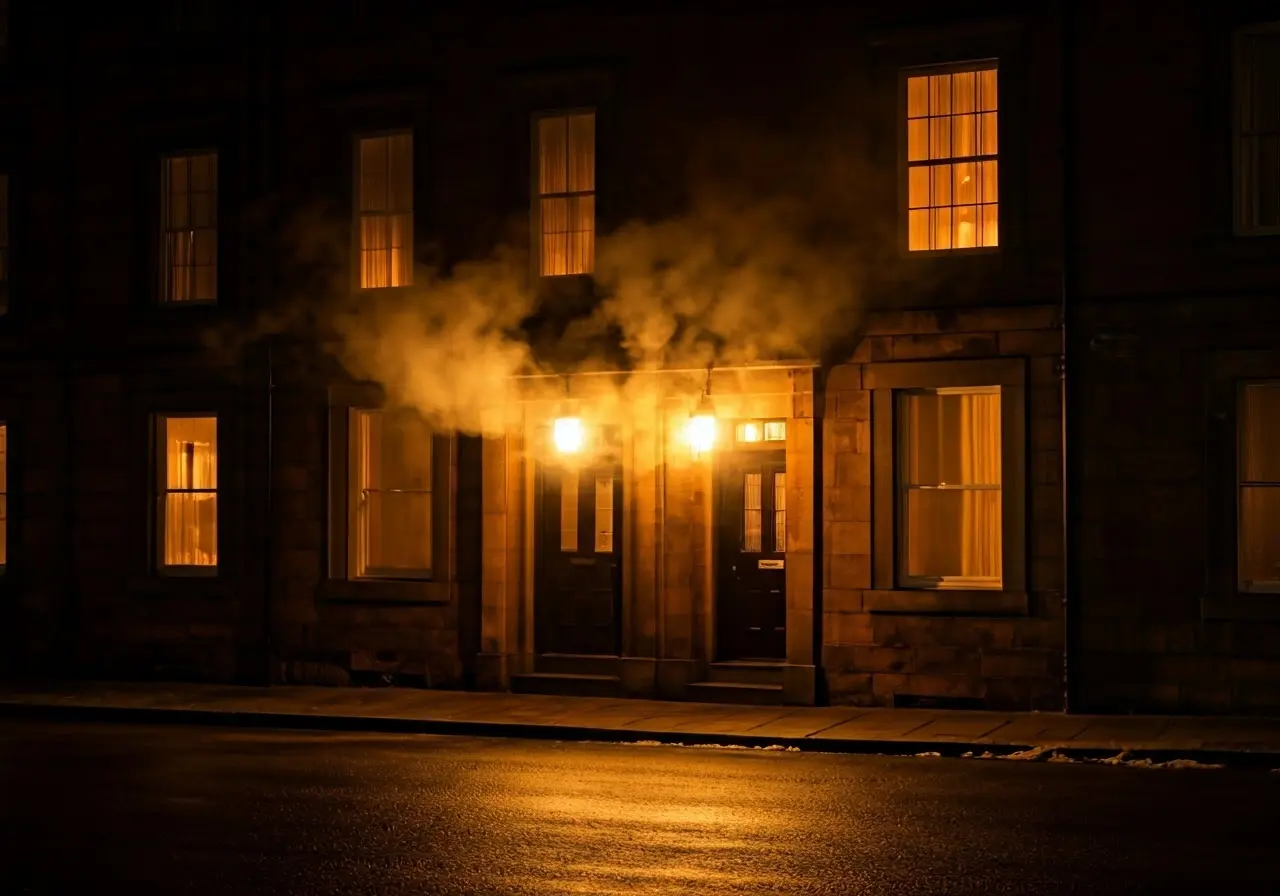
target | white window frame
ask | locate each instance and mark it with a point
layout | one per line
(1246, 190)
(160, 477)
(355, 492)
(167, 229)
(903, 489)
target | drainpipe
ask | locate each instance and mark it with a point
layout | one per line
(1068, 362)
(68, 615)
(264, 58)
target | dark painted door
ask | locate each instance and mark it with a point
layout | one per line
(579, 576)
(751, 593)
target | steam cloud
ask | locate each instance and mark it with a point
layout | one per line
(751, 272)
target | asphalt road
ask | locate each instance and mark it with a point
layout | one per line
(144, 810)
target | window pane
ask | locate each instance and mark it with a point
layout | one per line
(191, 452)
(918, 140)
(400, 172)
(1260, 433)
(190, 529)
(775, 431)
(950, 438)
(987, 90)
(553, 150)
(374, 175)
(953, 533)
(751, 514)
(569, 510)
(582, 152)
(780, 512)
(604, 515)
(917, 97)
(399, 530)
(1259, 536)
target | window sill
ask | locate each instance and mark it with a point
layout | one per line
(990, 603)
(1241, 607)
(384, 591)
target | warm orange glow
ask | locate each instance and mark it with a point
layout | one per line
(391, 498)
(190, 227)
(749, 432)
(700, 432)
(952, 161)
(189, 502)
(951, 487)
(386, 210)
(568, 435)
(566, 165)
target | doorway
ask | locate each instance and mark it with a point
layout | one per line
(578, 578)
(751, 580)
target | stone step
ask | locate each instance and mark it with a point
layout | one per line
(746, 672)
(735, 692)
(566, 685)
(576, 664)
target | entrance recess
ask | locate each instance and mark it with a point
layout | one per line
(751, 580)
(578, 579)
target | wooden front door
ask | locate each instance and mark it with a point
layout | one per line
(751, 587)
(578, 581)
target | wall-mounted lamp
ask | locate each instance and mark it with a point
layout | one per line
(700, 431)
(568, 435)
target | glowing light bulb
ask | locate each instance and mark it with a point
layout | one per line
(701, 432)
(568, 435)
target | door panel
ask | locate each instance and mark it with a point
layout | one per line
(751, 591)
(578, 577)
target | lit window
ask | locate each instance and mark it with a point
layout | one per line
(391, 501)
(4, 496)
(754, 431)
(1260, 487)
(950, 487)
(1258, 130)
(952, 160)
(566, 200)
(386, 210)
(190, 225)
(604, 515)
(569, 511)
(188, 505)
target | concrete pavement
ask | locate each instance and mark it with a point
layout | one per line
(831, 729)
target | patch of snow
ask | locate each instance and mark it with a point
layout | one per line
(1035, 754)
(928, 755)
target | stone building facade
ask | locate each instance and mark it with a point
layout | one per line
(1174, 337)
(854, 249)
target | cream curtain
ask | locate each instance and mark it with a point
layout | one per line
(952, 486)
(980, 465)
(393, 502)
(386, 211)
